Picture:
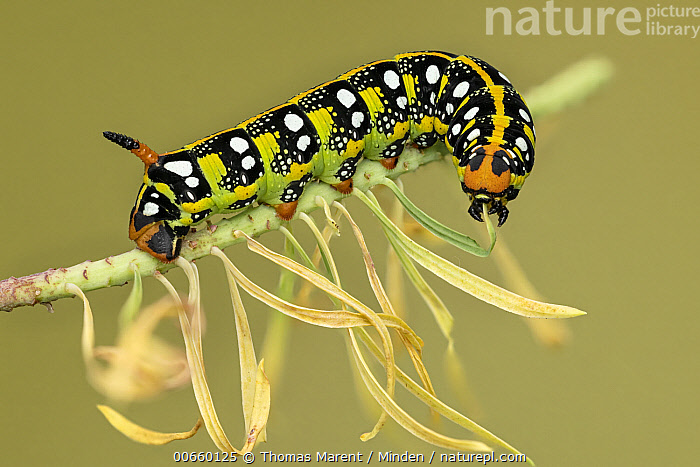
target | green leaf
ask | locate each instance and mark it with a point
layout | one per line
(133, 304)
(466, 281)
(441, 231)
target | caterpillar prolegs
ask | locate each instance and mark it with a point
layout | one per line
(372, 111)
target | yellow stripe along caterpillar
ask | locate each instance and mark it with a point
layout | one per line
(372, 112)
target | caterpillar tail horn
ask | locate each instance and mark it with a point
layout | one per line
(143, 152)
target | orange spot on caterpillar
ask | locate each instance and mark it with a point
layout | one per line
(390, 163)
(344, 187)
(285, 211)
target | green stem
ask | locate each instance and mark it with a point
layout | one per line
(49, 285)
(563, 90)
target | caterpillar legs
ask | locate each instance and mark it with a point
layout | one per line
(496, 208)
(285, 211)
(344, 187)
(390, 163)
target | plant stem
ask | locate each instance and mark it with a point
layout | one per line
(561, 91)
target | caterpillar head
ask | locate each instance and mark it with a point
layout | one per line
(487, 179)
(147, 227)
(158, 239)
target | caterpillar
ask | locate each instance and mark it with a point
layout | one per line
(370, 112)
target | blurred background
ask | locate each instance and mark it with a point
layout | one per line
(606, 223)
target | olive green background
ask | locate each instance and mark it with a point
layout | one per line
(607, 223)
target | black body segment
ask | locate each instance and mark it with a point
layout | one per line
(422, 73)
(241, 162)
(463, 76)
(381, 87)
(341, 121)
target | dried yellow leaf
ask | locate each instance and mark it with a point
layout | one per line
(140, 434)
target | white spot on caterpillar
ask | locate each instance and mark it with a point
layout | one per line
(182, 168)
(432, 74)
(525, 116)
(461, 89)
(357, 119)
(401, 101)
(248, 162)
(450, 108)
(154, 195)
(192, 182)
(471, 113)
(346, 98)
(391, 79)
(239, 145)
(473, 134)
(190, 195)
(303, 142)
(432, 98)
(150, 209)
(520, 142)
(503, 76)
(293, 122)
(456, 129)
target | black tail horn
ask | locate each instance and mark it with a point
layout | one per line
(124, 141)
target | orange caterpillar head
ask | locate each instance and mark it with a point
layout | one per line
(487, 181)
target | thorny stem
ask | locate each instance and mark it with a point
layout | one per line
(561, 91)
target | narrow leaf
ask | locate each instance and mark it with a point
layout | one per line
(339, 293)
(261, 410)
(246, 351)
(291, 240)
(468, 282)
(323, 318)
(87, 341)
(436, 404)
(440, 312)
(404, 419)
(200, 386)
(447, 234)
(133, 303)
(379, 292)
(140, 434)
